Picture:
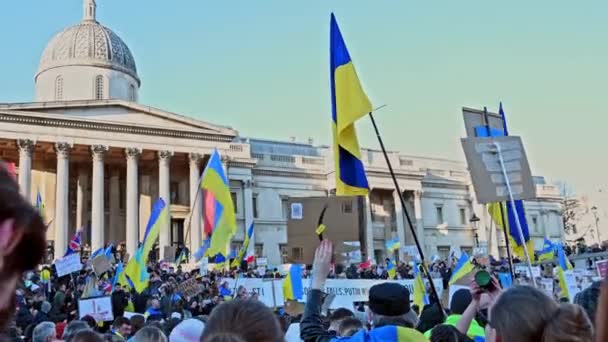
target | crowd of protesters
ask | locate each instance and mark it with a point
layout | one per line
(35, 305)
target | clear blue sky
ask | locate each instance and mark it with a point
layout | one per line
(262, 67)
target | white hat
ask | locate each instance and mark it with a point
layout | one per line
(189, 330)
(176, 315)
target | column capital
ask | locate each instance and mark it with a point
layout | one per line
(132, 152)
(418, 194)
(98, 151)
(63, 149)
(225, 159)
(165, 155)
(195, 157)
(247, 183)
(26, 145)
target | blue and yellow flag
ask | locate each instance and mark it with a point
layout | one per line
(202, 250)
(215, 185)
(181, 258)
(517, 245)
(349, 103)
(391, 333)
(392, 245)
(391, 269)
(563, 265)
(548, 251)
(563, 261)
(40, 205)
(292, 284)
(420, 296)
(463, 267)
(241, 254)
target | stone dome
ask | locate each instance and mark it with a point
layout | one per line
(88, 44)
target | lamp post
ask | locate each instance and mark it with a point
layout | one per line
(475, 223)
(597, 220)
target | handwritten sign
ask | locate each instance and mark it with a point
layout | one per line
(189, 288)
(99, 308)
(261, 261)
(101, 265)
(602, 268)
(68, 264)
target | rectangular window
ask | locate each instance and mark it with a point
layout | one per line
(439, 214)
(296, 253)
(234, 201)
(463, 216)
(466, 249)
(534, 224)
(259, 249)
(443, 251)
(254, 204)
(285, 208)
(347, 207)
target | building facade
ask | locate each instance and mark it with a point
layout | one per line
(99, 159)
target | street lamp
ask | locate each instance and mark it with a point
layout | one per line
(475, 222)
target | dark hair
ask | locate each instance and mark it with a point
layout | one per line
(349, 326)
(90, 321)
(525, 314)
(86, 336)
(120, 321)
(340, 314)
(137, 322)
(447, 333)
(242, 320)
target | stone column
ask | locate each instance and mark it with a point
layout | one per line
(196, 203)
(248, 199)
(61, 198)
(164, 192)
(81, 202)
(26, 148)
(369, 228)
(419, 223)
(113, 232)
(132, 202)
(399, 222)
(97, 206)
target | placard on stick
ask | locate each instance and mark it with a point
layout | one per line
(101, 265)
(68, 264)
(490, 185)
(189, 288)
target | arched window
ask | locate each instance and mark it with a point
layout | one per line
(59, 88)
(132, 93)
(98, 87)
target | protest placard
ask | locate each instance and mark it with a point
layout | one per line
(189, 288)
(99, 308)
(68, 264)
(602, 268)
(261, 261)
(546, 284)
(101, 265)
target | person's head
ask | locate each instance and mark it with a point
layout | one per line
(137, 322)
(22, 240)
(62, 287)
(215, 299)
(189, 330)
(242, 320)
(349, 326)
(447, 333)
(44, 332)
(87, 336)
(242, 291)
(118, 287)
(389, 304)
(72, 328)
(525, 314)
(90, 321)
(337, 316)
(155, 303)
(45, 307)
(150, 333)
(122, 325)
(460, 301)
(588, 299)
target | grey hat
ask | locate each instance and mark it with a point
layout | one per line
(45, 307)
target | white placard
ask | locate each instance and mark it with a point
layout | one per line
(524, 270)
(546, 284)
(346, 291)
(261, 262)
(296, 211)
(99, 308)
(261, 270)
(68, 264)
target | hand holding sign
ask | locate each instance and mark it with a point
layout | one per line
(320, 226)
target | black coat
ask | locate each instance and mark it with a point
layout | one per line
(120, 300)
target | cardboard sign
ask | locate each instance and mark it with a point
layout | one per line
(602, 268)
(484, 156)
(169, 253)
(261, 261)
(99, 308)
(68, 264)
(101, 265)
(189, 288)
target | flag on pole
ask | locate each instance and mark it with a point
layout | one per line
(219, 207)
(420, 296)
(391, 269)
(74, 245)
(241, 254)
(292, 284)
(463, 267)
(202, 249)
(349, 103)
(40, 205)
(392, 245)
(563, 265)
(181, 258)
(517, 245)
(548, 251)
(119, 270)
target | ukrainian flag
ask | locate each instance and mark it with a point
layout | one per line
(463, 267)
(386, 333)
(563, 266)
(391, 269)
(420, 296)
(237, 261)
(392, 245)
(40, 205)
(136, 273)
(349, 103)
(216, 188)
(292, 284)
(517, 245)
(548, 251)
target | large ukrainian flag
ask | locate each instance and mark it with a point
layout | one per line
(349, 103)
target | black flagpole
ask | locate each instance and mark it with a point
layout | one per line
(407, 216)
(502, 211)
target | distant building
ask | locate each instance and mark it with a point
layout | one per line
(99, 159)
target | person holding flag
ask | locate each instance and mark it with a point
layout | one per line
(241, 254)
(74, 245)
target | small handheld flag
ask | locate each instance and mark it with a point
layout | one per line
(463, 267)
(292, 285)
